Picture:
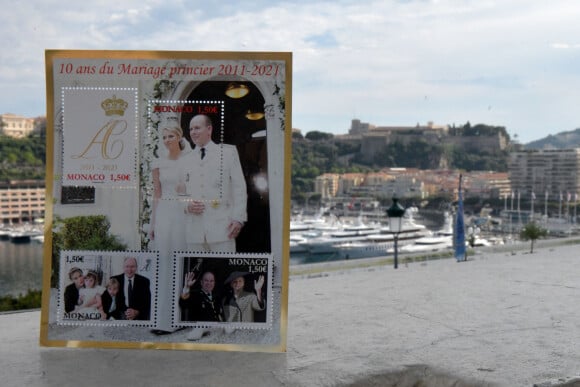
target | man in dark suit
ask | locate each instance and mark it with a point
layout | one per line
(134, 291)
(202, 303)
(71, 292)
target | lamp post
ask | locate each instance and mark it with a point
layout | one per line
(395, 213)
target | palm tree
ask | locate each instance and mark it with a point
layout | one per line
(532, 231)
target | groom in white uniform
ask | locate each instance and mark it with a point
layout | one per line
(217, 187)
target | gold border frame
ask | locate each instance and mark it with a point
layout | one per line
(50, 56)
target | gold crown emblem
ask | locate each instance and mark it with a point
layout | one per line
(114, 106)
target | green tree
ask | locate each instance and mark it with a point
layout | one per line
(316, 136)
(22, 158)
(297, 136)
(532, 231)
(30, 300)
(81, 233)
(29, 158)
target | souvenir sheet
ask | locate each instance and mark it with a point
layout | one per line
(167, 200)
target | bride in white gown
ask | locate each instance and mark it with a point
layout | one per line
(167, 231)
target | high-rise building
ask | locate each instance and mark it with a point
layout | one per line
(555, 171)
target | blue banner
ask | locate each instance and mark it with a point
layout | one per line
(460, 228)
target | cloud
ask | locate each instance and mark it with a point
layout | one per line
(565, 46)
(324, 40)
(388, 62)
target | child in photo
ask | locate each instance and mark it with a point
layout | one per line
(109, 309)
(89, 296)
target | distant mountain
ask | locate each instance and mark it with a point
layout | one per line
(562, 140)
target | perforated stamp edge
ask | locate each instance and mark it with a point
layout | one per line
(100, 136)
(223, 265)
(160, 112)
(109, 264)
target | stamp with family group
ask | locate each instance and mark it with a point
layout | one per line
(101, 287)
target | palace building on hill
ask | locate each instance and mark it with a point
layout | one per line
(374, 139)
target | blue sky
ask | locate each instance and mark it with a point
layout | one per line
(514, 63)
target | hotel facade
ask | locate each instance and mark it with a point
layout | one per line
(21, 201)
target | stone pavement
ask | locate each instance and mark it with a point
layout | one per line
(504, 318)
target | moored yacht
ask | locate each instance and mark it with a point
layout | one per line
(304, 230)
(330, 242)
(362, 241)
(23, 234)
(434, 243)
(5, 233)
(440, 240)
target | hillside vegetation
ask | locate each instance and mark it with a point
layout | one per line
(317, 153)
(570, 139)
(22, 158)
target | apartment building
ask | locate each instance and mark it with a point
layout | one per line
(348, 181)
(21, 201)
(488, 185)
(416, 183)
(554, 171)
(399, 181)
(327, 185)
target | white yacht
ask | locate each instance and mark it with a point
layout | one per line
(362, 241)
(303, 230)
(440, 240)
(330, 242)
(23, 234)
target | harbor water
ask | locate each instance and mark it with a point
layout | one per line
(20, 267)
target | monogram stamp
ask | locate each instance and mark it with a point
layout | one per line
(99, 136)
